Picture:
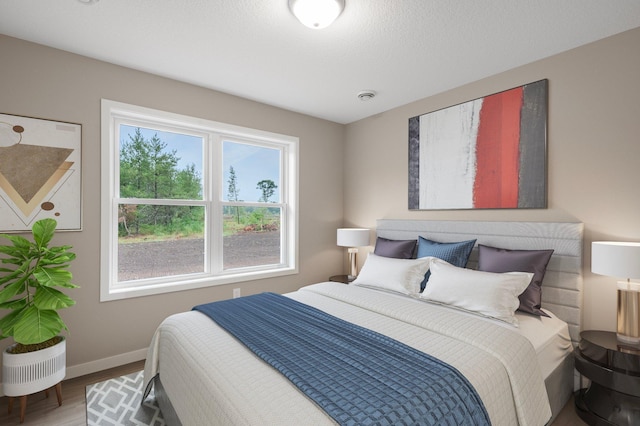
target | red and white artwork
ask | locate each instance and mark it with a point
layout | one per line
(489, 153)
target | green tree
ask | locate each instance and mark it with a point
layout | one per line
(234, 192)
(146, 170)
(268, 187)
(134, 165)
(188, 183)
(149, 170)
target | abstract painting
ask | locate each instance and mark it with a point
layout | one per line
(40, 173)
(488, 153)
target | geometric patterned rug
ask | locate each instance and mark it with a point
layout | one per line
(116, 402)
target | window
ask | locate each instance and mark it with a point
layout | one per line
(189, 203)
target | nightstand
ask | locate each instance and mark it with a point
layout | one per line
(341, 279)
(613, 397)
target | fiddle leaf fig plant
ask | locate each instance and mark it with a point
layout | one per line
(28, 285)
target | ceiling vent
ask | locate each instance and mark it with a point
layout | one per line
(366, 95)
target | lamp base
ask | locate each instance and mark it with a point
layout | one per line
(628, 330)
(628, 339)
(353, 263)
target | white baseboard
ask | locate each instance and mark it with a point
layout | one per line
(100, 365)
(105, 363)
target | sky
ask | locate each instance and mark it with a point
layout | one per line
(251, 163)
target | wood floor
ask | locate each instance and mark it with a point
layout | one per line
(45, 411)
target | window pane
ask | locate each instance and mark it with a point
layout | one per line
(251, 173)
(159, 241)
(251, 236)
(158, 164)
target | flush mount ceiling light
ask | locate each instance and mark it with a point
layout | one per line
(316, 14)
(89, 1)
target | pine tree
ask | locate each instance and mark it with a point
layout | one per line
(267, 187)
(234, 191)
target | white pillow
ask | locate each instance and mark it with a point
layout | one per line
(400, 275)
(487, 293)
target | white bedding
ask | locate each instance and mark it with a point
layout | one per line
(210, 378)
(549, 336)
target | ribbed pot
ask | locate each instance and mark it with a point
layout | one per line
(24, 374)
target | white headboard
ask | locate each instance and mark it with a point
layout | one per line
(562, 285)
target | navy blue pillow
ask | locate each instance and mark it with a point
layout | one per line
(456, 254)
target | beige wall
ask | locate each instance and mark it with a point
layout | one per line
(593, 154)
(41, 82)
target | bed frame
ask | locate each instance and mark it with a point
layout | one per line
(562, 285)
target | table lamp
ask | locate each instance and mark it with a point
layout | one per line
(353, 238)
(621, 259)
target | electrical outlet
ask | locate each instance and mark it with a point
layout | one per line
(236, 293)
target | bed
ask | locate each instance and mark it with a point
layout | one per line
(523, 375)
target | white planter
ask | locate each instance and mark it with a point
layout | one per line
(24, 374)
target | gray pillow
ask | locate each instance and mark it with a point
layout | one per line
(398, 249)
(493, 259)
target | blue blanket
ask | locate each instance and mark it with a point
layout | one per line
(357, 376)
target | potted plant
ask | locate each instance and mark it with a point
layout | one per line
(31, 271)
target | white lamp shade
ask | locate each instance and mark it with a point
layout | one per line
(353, 237)
(616, 259)
(316, 14)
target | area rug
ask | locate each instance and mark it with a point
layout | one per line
(116, 402)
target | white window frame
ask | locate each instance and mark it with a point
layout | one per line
(213, 133)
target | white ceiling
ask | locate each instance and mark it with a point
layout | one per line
(405, 50)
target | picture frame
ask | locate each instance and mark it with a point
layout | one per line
(487, 153)
(40, 173)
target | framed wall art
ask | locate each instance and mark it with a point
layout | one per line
(40, 173)
(488, 153)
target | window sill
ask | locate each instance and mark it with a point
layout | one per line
(191, 284)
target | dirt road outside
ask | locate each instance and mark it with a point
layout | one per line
(183, 256)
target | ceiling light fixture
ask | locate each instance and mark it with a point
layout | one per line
(316, 14)
(89, 2)
(366, 95)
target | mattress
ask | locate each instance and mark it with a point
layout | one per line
(549, 337)
(210, 378)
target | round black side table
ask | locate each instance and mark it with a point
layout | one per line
(613, 397)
